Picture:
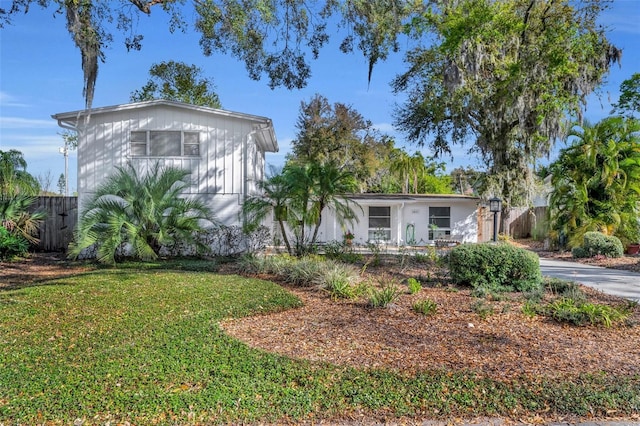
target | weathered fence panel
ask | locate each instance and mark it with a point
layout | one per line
(521, 222)
(524, 222)
(56, 231)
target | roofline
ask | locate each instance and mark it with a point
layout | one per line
(410, 197)
(72, 119)
(157, 102)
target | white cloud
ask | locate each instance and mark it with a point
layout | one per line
(26, 123)
(7, 100)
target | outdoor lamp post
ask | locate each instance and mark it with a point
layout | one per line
(495, 204)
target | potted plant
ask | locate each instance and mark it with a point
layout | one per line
(348, 238)
(633, 248)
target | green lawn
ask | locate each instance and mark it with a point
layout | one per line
(144, 346)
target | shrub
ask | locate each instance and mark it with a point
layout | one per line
(563, 288)
(308, 271)
(583, 313)
(414, 285)
(425, 307)
(383, 297)
(11, 245)
(338, 251)
(341, 288)
(496, 267)
(597, 243)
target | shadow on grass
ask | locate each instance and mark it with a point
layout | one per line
(49, 269)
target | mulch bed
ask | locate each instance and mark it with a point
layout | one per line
(505, 345)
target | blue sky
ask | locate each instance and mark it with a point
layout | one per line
(40, 75)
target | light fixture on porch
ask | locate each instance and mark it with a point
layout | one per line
(495, 205)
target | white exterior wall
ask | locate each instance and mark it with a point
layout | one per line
(464, 220)
(228, 153)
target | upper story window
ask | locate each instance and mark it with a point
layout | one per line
(439, 222)
(165, 143)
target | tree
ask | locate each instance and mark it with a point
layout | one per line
(274, 195)
(467, 181)
(16, 217)
(297, 197)
(409, 169)
(44, 181)
(336, 133)
(596, 182)
(17, 188)
(177, 81)
(142, 211)
(506, 76)
(629, 101)
(14, 178)
(272, 38)
(62, 184)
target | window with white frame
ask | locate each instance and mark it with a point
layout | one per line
(439, 223)
(379, 223)
(165, 143)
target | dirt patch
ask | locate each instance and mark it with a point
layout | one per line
(38, 267)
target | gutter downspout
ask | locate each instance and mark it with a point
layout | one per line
(65, 152)
(400, 216)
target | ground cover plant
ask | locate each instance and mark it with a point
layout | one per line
(150, 345)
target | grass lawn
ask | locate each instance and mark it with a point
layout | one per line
(144, 346)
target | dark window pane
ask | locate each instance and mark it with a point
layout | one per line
(164, 144)
(439, 211)
(379, 211)
(379, 222)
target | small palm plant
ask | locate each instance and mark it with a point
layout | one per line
(143, 212)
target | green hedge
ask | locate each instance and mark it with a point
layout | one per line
(498, 267)
(597, 243)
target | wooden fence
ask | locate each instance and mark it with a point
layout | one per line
(521, 222)
(56, 231)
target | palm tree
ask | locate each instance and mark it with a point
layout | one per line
(16, 218)
(273, 197)
(17, 188)
(143, 212)
(331, 185)
(596, 181)
(297, 197)
(409, 169)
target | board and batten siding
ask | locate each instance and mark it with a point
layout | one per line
(228, 167)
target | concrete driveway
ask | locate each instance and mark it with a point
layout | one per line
(611, 281)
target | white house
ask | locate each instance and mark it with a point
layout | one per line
(225, 153)
(406, 219)
(223, 150)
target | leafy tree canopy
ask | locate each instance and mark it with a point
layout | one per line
(339, 134)
(629, 101)
(273, 38)
(336, 133)
(503, 75)
(14, 178)
(177, 81)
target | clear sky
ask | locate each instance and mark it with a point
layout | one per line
(40, 75)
